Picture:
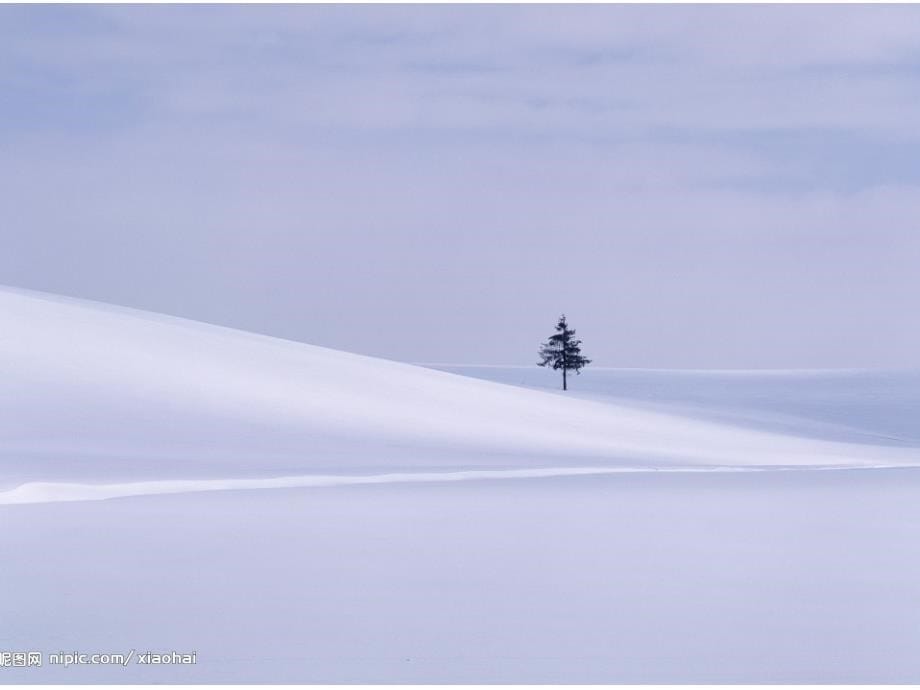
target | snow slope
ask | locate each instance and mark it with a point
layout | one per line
(92, 392)
(342, 519)
(854, 405)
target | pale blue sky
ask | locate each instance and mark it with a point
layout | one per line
(696, 186)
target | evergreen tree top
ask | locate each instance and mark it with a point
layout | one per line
(562, 350)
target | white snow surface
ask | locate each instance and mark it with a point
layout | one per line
(93, 393)
(342, 519)
(698, 577)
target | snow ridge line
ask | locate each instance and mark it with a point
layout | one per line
(63, 492)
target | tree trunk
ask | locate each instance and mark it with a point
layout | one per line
(565, 365)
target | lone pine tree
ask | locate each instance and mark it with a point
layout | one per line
(563, 351)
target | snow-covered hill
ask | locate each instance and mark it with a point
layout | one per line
(878, 407)
(95, 392)
(424, 526)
